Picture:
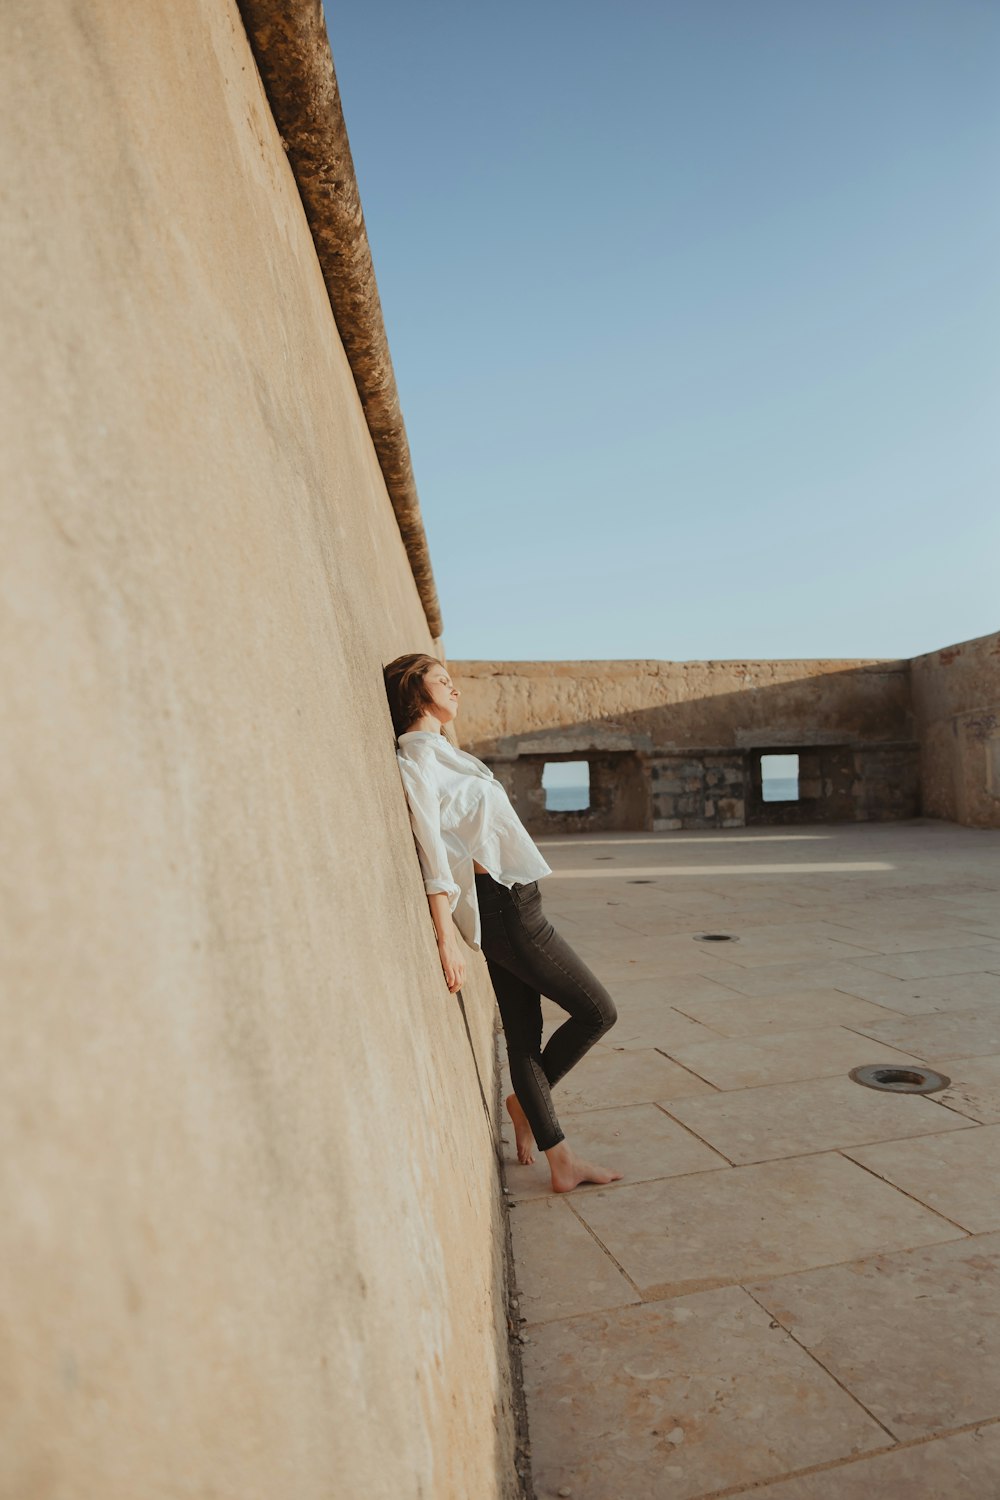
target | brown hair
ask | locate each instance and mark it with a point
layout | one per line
(404, 688)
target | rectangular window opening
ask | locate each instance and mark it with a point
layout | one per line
(567, 785)
(779, 778)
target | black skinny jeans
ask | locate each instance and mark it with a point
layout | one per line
(527, 959)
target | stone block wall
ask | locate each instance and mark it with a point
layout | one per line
(698, 791)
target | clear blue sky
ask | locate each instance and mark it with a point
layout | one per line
(695, 314)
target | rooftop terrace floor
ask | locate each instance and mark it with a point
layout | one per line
(796, 1287)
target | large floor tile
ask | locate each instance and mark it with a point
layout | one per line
(960, 991)
(780, 1056)
(932, 962)
(644, 928)
(911, 1335)
(605, 1078)
(822, 1114)
(777, 979)
(646, 1025)
(560, 1269)
(757, 949)
(975, 1088)
(749, 914)
(866, 924)
(647, 991)
(908, 997)
(935, 1038)
(957, 1175)
(644, 964)
(690, 1233)
(804, 925)
(914, 939)
(640, 1141)
(692, 902)
(791, 1011)
(927, 996)
(680, 1400)
(962, 1467)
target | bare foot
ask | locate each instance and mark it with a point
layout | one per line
(522, 1131)
(568, 1171)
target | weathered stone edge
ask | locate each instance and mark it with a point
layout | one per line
(522, 1477)
(292, 51)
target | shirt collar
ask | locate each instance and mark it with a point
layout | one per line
(443, 744)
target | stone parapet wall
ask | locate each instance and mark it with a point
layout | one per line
(956, 696)
(677, 745)
(660, 707)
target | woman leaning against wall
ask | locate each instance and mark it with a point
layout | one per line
(481, 871)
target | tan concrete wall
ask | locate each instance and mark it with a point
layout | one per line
(249, 1225)
(956, 697)
(516, 708)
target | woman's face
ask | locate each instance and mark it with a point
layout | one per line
(443, 693)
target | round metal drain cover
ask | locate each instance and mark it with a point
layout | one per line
(715, 937)
(900, 1080)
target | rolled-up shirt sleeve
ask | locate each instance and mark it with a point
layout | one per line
(425, 820)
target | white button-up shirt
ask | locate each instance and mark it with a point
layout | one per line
(460, 812)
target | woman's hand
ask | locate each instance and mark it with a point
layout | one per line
(452, 961)
(449, 951)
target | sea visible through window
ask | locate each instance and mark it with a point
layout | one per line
(779, 775)
(567, 785)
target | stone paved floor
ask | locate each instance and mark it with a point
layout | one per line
(796, 1287)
